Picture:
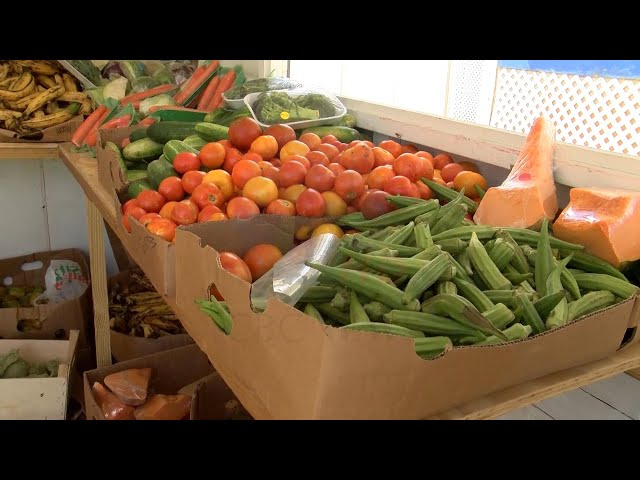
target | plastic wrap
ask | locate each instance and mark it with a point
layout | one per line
(164, 407)
(290, 278)
(64, 281)
(130, 386)
(261, 85)
(112, 408)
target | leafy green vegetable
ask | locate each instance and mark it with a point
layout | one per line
(163, 76)
(12, 366)
(18, 369)
(141, 84)
(317, 101)
(133, 69)
(260, 85)
(88, 69)
(224, 116)
(7, 360)
(276, 107)
(158, 100)
(116, 88)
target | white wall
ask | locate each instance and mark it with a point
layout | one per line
(42, 208)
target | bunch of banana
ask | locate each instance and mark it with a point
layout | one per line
(138, 310)
(37, 94)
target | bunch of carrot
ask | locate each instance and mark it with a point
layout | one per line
(211, 96)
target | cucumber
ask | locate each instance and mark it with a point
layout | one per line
(133, 175)
(178, 116)
(113, 147)
(136, 187)
(195, 141)
(138, 134)
(162, 132)
(158, 170)
(212, 132)
(143, 149)
(344, 134)
(136, 165)
(174, 147)
(347, 121)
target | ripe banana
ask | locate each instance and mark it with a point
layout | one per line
(23, 102)
(58, 79)
(38, 66)
(38, 114)
(11, 124)
(71, 97)
(86, 107)
(7, 83)
(4, 71)
(47, 82)
(52, 107)
(44, 98)
(69, 83)
(7, 114)
(48, 120)
(23, 86)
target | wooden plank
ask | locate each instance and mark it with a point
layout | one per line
(99, 286)
(530, 412)
(635, 373)
(622, 392)
(29, 151)
(579, 405)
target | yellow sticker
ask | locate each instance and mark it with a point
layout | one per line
(284, 115)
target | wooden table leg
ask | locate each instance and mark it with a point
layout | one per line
(99, 285)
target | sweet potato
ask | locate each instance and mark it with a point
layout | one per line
(164, 407)
(111, 406)
(130, 386)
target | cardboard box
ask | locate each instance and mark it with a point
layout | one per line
(214, 400)
(125, 347)
(172, 370)
(56, 319)
(38, 398)
(283, 364)
(57, 133)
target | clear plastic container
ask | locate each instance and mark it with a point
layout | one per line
(235, 104)
(341, 110)
(258, 85)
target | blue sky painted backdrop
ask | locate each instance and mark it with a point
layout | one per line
(605, 68)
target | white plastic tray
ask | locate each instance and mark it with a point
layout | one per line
(341, 110)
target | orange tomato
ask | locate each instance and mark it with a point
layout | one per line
(425, 192)
(303, 233)
(359, 158)
(135, 212)
(310, 204)
(329, 150)
(468, 180)
(282, 133)
(226, 144)
(240, 207)
(148, 217)
(171, 189)
(328, 228)
(410, 166)
(311, 140)
(233, 264)
(281, 207)
(335, 205)
(316, 157)
(243, 171)
(165, 211)
(320, 178)
(233, 156)
(261, 258)
(437, 174)
(470, 167)
(294, 147)
(382, 157)
(329, 138)
(440, 160)
(450, 170)
(162, 228)
(439, 181)
(184, 214)
(207, 212)
(379, 175)
(253, 156)
(399, 185)
(349, 185)
(427, 168)
(191, 180)
(299, 158)
(150, 201)
(261, 190)
(391, 146)
(212, 155)
(221, 179)
(266, 146)
(292, 173)
(130, 204)
(336, 168)
(293, 192)
(272, 173)
(409, 148)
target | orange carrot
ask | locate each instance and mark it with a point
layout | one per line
(185, 93)
(209, 92)
(97, 116)
(180, 96)
(152, 92)
(147, 121)
(225, 84)
(155, 108)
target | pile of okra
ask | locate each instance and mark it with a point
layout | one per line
(424, 271)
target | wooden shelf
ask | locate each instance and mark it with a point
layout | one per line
(29, 151)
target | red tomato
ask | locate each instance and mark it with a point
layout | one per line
(233, 156)
(148, 217)
(135, 212)
(207, 194)
(310, 203)
(282, 133)
(233, 264)
(171, 189)
(243, 171)
(316, 157)
(409, 165)
(320, 178)
(212, 155)
(130, 204)
(400, 186)
(191, 180)
(240, 207)
(292, 173)
(359, 157)
(151, 201)
(375, 204)
(186, 162)
(261, 258)
(243, 131)
(349, 185)
(184, 213)
(207, 212)
(163, 228)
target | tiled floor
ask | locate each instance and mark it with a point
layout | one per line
(615, 398)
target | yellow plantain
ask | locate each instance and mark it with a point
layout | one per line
(44, 98)
(47, 82)
(52, 107)
(4, 71)
(38, 66)
(38, 114)
(48, 120)
(11, 124)
(69, 83)
(16, 68)
(78, 97)
(23, 102)
(23, 86)
(86, 107)
(58, 79)
(7, 83)
(21, 82)
(7, 114)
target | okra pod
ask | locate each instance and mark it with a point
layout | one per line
(476, 296)
(501, 254)
(499, 315)
(450, 219)
(590, 302)
(544, 259)
(530, 237)
(368, 285)
(430, 347)
(446, 286)
(428, 218)
(519, 260)
(545, 305)
(591, 264)
(423, 235)
(383, 233)
(368, 244)
(465, 262)
(424, 278)
(429, 253)
(453, 245)
(333, 313)
(318, 294)
(404, 201)
(558, 316)
(448, 194)
(401, 235)
(353, 264)
(518, 278)
(313, 312)
(483, 232)
(479, 191)
(460, 272)
(515, 332)
(375, 310)
(400, 280)
(396, 217)
(529, 314)
(430, 324)
(445, 209)
(357, 313)
(383, 328)
(341, 301)
(388, 265)
(217, 313)
(484, 266)
(602, 281)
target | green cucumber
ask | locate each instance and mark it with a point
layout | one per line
(115, 149)
(195, 141)
(174, 147)
(162, 132)
(138, 135)
(344, 134)
(135, 188)
(133, 175)
(212, 132)
(158, 170)
(178, 116)
(143, 149)
(347, 121)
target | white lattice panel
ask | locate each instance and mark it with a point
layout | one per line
(471, 86)
(595, 112)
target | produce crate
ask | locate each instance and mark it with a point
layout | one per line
(126, 347)
(283, 364)
(56, 320)
(38, 398)
(57, 133)
(214, 400)
(172, 370)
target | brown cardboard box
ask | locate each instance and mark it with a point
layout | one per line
(283, 364)
(172, 370)
(57, 133)
(125, 347)
(214, 400)
(153, 254)
(57, 319)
